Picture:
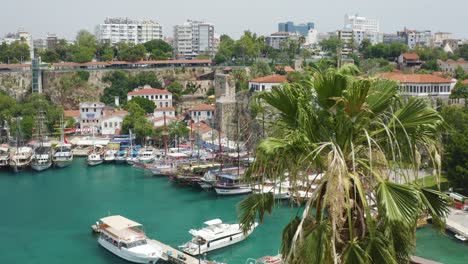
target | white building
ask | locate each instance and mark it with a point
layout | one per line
(416, 37)
(111, 122)
(439, 37)
(159, 121)
(91, 114)
(161, 111)
(160, 97)
(451, 65)
(422, 85)
(194, 38)
(22, 36)
(275, 40)
(312, 37)
(202, 112)
(361, 23)
(266, 83)
(115, 30)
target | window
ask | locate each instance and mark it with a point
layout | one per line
(152, 97)
(94, 110)
(105, 124)
(110, 124)
(167, 104)
(167, 96)
(160, 104)
(115, 124)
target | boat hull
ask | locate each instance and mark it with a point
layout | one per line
(232, 191)
(41, 167)
(94, 162)
(125, 254)
(62, 163)
(221, 243)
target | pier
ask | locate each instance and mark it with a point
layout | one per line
(175, 256)
(457, 222)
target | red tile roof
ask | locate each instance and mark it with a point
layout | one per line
(271, 79)
(410, 56)
(148, 91)
(465, 82)
(109, 113)
(201, 127)
(164, 109)
(286, 68)
(415, 78)
(202, 107)
(71, 113)
(11, 66)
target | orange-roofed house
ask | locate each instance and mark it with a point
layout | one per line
(160, 97)
(422, 84)
(202, 112)
(72, 113)
(266, 83)
(203, 130)
(409, 61)
(111, 122)
(451, 65)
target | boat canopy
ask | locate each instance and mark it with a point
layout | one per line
(213, 222)
(118, 222)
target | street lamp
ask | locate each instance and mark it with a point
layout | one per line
(199, 241)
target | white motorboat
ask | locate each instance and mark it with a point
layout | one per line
(4, 156)
(63, 155)
(121, 157)
(279, 193)
(461, 237)
(148, 155)
(21, 158)
(121, 236)
(214, 236)
(94, 159)
(162, 168)
(42, 157)
(229, 184)
(110, 155)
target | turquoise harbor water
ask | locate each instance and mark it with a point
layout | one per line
(46, 217)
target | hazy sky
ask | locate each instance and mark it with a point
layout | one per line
(65, 17)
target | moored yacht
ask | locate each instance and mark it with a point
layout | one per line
(214, 236)
(4, 156)
(95, 157)
(231, 184)
(121, 236)
(63, 155)
(21, 158)
(42, 157)
(148, 155)
(110, 155)
(121, 157)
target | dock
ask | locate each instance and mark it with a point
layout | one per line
(172, 255)
(457, 222)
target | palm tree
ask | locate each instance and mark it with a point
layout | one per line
(358, 132)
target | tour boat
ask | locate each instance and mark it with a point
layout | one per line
(121, 236)
(229, 184)
(210, 177)
(95, 157)
(214, 236)
(148, 155)
(42, 157)
(162, 168)
(461, 237)
(121, 157)
(63, 155)
(110, 155)
(4, 156)
(21, 158)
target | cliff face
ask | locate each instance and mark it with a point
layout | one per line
(16, 84)
(56, 84)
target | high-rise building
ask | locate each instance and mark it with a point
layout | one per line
(415, 38)
(302, 29)
(51, 41)
(363, 28)
(22, 36)
(194, 38)
(115, 30)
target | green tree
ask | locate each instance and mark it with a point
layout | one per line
(82, 54)
(459, 73)
(176, 89)
(455, 160)
(357, 132)
(49, 56)
(137, 122)
(331, 45)
(259, 69)
(159, 49)
(130, 52)
(462, 51)
(86, 39)
(178, 129)
(460, 91)
(147, 105)
(226, 50)
(104, 52)
(64, 50)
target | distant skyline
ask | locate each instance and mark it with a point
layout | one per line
(66, 18)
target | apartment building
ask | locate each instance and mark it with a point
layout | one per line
(193, 38)
(116, 30)
(415, 38)
(290, 27)
(160, 97)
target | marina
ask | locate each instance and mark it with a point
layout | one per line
(167, 211)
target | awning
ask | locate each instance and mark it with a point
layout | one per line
(119, 222)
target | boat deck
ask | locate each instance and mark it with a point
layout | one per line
(172, 255)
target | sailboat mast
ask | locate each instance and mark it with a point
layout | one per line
(165, 135)
(237, 137)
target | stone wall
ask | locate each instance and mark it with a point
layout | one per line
(16, 84)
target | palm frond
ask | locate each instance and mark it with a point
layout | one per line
(260, 204)
(397, 203)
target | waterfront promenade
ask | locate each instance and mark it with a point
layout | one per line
(457, 222)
